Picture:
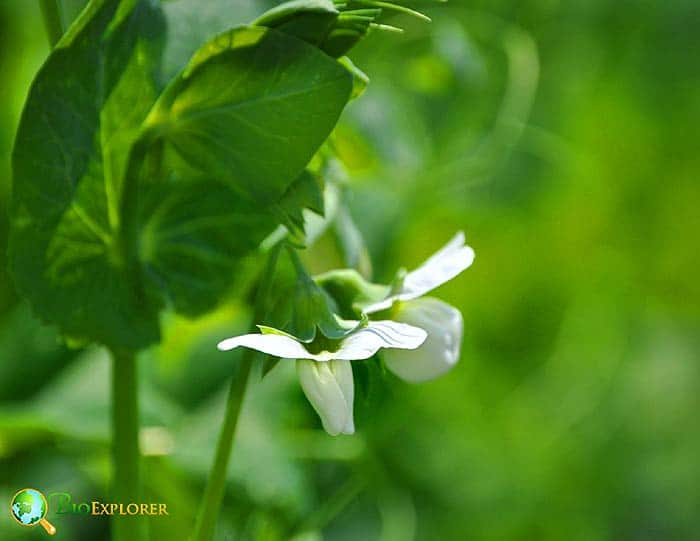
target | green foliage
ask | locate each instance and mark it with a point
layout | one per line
(85, 106)
(306, 192)
(572, 413)
(312, 311)
(128, 205)
(310, 20)
(251, 109)
(335, 27)
(194, 235)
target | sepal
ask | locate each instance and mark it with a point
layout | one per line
(350, 291)
(311, 310)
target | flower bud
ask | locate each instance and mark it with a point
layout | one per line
(439, 352)
(330, 388)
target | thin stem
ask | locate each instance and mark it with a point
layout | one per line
(125, 444)
(52, 20)
(216, 484)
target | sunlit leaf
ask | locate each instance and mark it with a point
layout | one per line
(83, 110)
(251, 109)
(310, 20)
(233, 134)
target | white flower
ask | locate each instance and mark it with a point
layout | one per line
(330, 389)
(439, 352)
(441, 267)
(443, 322)
(326, 375)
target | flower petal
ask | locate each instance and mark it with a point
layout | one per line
(384, 304)
(441, 267)
(272, 344)
(440, 352)
(330, 389)
(367, 341)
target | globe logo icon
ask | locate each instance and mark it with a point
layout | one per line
(29, 507)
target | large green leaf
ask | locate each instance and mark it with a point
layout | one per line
(193, 237)
(83, 110)
(250, 110)
(310, 20)
(233, 133)
(123, 203)
(192, 22)
(306, 192)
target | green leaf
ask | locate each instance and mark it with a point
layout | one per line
(233, 134)
(360, 80)
(193, 237)
(306, 192)
(250, 110)
(84, 109)
(28, 347)
(127, 205)
(310, 20)
(193, 22)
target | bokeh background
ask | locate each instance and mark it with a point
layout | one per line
(563, 137)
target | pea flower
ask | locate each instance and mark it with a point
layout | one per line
(443, 322)
(441, 267)
(440, 351)
(323, 365)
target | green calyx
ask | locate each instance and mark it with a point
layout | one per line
(350, 291)
(312, 309)
(319, 343)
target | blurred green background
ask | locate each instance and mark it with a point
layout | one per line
(563, 137)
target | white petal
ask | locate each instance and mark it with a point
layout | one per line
(379, 334)
(343, 375)
(330, 389)
(455, 243)
(272, 344)
(441, 267)
(440, 352)
(381, 305)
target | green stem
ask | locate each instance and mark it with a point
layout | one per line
(52, 20)
(125, 444)
(216, 484)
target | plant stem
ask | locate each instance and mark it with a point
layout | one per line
(214, 493)
(52, 20)
(125, 445)
(216, 484)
